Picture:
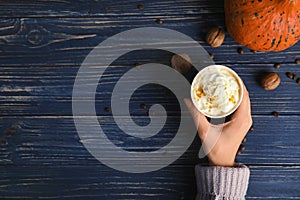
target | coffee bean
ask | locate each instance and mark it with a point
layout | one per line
(297, 61)
(298, 80)
(295, 77)
(141, 7)
(11, 131)
(138, 65)
(240, 50)
(290, 75)
(107, 109)
(277, 65)
(159, 21)
(143, 106)
(3, 142)
(276, 114)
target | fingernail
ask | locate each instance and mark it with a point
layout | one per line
(143, 106)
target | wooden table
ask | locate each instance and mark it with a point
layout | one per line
(42, 45)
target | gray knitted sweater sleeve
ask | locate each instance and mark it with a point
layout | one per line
(221, 183)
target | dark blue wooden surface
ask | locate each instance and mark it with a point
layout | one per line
(43, 43)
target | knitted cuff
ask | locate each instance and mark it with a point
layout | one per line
(214, 182)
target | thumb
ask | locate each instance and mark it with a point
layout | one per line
(200, 120)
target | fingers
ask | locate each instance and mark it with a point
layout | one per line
(244, 140)
(200, 120)
(243, 112)
(241, 148)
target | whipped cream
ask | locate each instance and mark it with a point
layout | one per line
(216, 91)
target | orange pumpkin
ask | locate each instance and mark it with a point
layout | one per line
(263, 25)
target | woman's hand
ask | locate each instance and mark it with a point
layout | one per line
(223, 152)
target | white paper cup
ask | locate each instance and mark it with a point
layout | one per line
(216, 69)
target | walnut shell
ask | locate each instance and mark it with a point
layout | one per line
(270, 81)
(181, 63)
(215, 37)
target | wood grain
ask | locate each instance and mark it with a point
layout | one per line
(54, 140)
(42, 45)
(67, 41)
(176, 182)
(68, 8)
(29, 90)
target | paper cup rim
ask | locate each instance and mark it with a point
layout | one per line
(240, 82)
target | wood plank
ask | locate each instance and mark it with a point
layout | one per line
(53, 140)
(97, 181)
(67, 41)
(37, 90)
(43, 43)
(47, 68)
(266, 145)
(268, 182)
(68, 8)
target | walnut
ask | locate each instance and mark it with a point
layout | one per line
(215, 37)
(181, 63)
(270, 81)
